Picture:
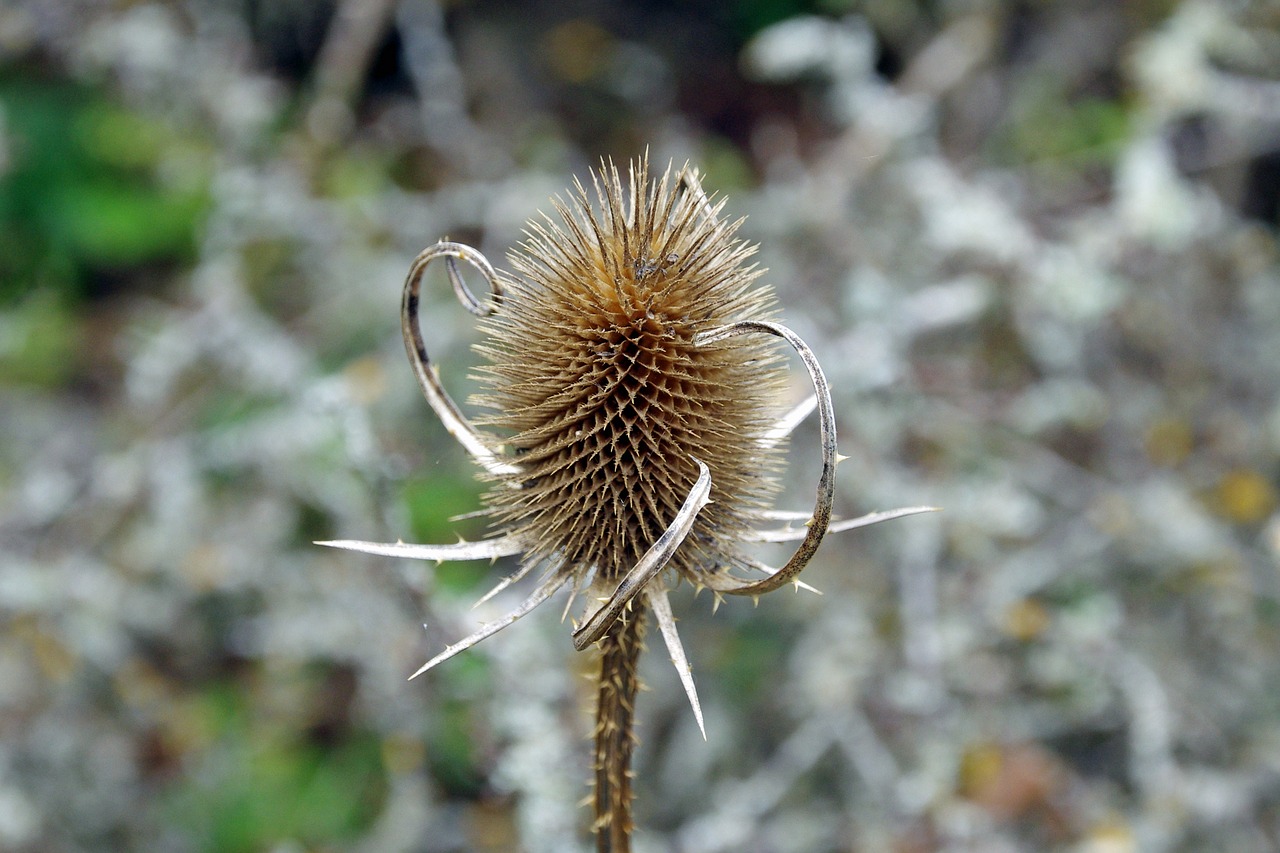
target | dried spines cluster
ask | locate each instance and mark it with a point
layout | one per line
(631, 370)
(595, 380)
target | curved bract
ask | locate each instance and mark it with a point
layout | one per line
(447, 410)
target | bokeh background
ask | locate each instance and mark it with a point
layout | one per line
(1033, 243)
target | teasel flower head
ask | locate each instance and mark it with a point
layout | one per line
(632, 379)
(609, 399)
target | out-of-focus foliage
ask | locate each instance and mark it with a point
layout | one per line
(1034, 245)
(80, 194)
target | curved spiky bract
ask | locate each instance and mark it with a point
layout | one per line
(416, 346)
(595, 379)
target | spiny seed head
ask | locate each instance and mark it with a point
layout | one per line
(594, 379)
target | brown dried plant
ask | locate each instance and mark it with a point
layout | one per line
(630, 372)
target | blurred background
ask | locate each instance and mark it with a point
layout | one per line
(1033, 243)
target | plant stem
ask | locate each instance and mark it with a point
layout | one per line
(615, 738)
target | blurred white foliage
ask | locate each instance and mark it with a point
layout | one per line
(1070, 285)
(1059, 402)
(19, 819)
(1171, 528)
(962, 215)
(1152, 199)
(843, 51)
(1067, 292)
(545, 764)
(831, 660)
(1170, 65)
(945, 305)
(1073, 588)
(144, 43)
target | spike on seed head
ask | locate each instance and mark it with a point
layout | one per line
(593, 375)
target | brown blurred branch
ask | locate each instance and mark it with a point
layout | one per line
(357, 28)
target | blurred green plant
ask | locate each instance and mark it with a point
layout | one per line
(1048, 123)
(82, 193)
(267, 782)
(428, 501)
(37, 341)
(452, 752)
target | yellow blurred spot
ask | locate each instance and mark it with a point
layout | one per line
(1012, 781)
(492, 826)
(187, 725)
(55, 660)
(577, 49)
(402, 753)
(980, 767)
(367, 380)
(1026, 620)
(1109, 837)
(1245, 496)
(1169, 441)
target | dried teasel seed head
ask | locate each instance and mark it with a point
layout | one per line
(630, 369)
(593, 377)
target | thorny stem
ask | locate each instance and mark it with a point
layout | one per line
(615, 738)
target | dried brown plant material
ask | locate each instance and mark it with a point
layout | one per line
(631, 374)
(600, 384)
